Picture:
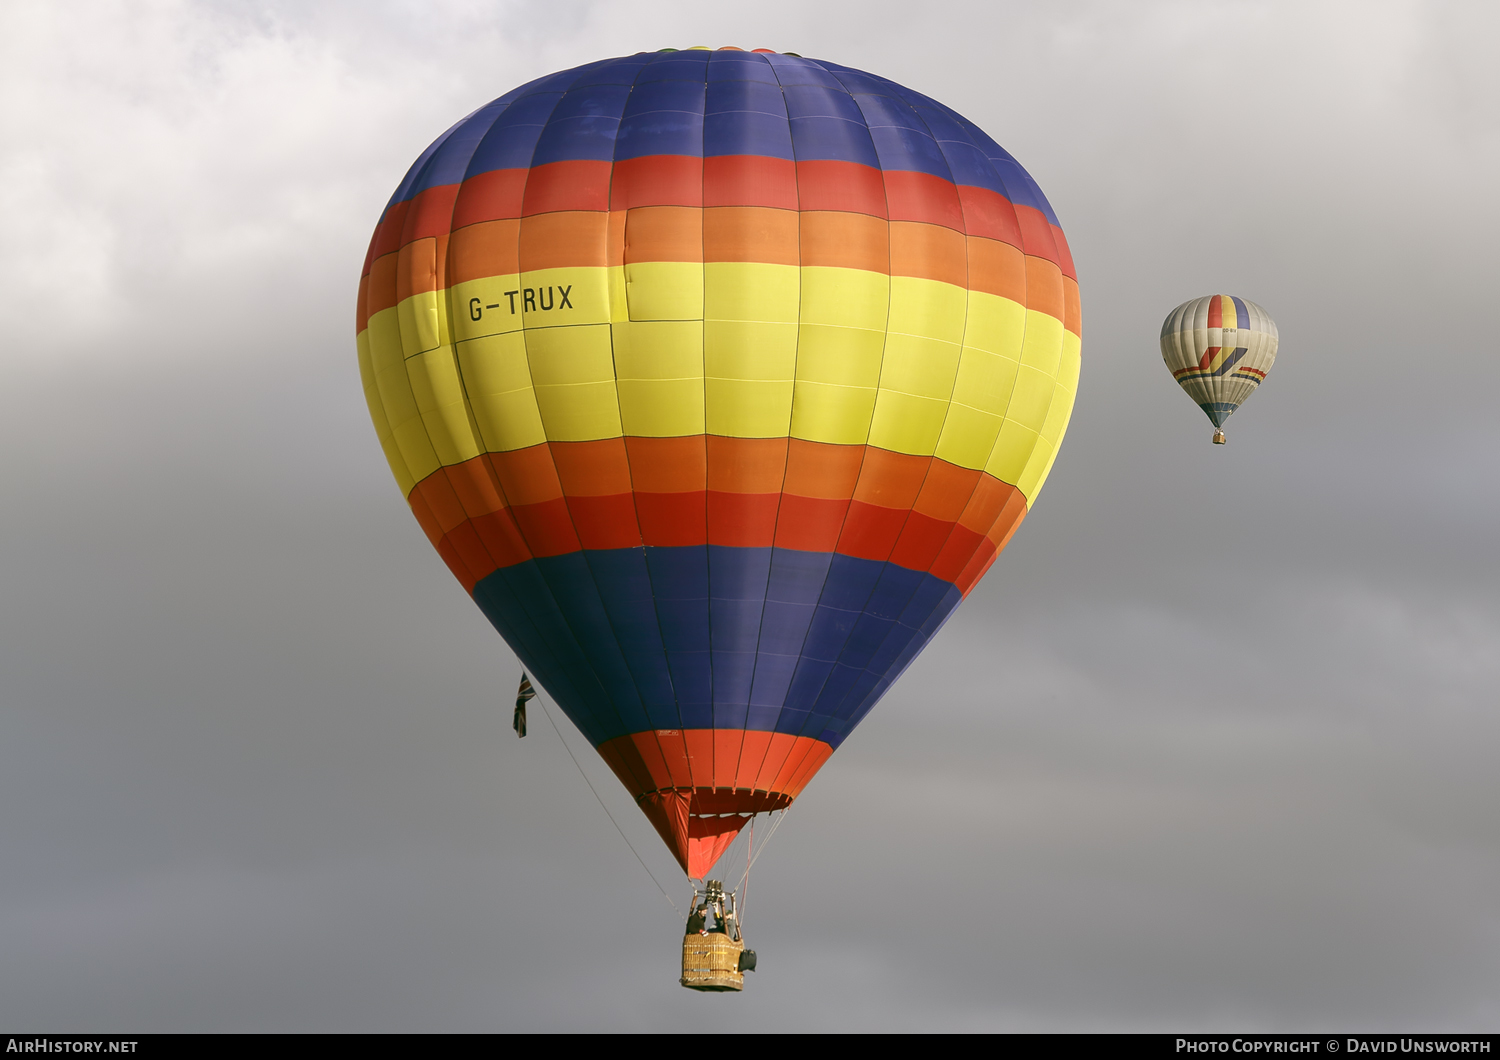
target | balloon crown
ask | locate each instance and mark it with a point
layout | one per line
(729, 48)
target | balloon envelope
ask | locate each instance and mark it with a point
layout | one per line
(1219, 349)
(718, 379)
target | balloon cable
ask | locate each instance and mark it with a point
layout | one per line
(605, 808)
(750, 861)
(745, 882)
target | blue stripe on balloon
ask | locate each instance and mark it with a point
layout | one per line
(907, 642)
(447, 158)
(740, 66)
(833, 139)
(791, 70)
(511, 142)
(815, 101)
(880, 111)
(835, 114)
(678, 66)
(713, 636)
(725, 96)
(905, 149)
(747, 133)
(858, 83)
(588, 138)
(624, 583)
(666, 95)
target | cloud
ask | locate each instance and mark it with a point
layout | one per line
(1209, 747)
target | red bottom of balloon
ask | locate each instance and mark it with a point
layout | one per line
(698, 787)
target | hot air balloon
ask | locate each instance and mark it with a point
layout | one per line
(718, 379)
(1219, 349)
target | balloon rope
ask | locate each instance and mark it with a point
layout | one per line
(605, 808)
(750, 861)
(745, 883)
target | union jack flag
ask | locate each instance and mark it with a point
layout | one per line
(525, 692)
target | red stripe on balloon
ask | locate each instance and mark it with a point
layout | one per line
(923, 197)
(842, 186)
(750, 180)
(923, 514)
(657, 180)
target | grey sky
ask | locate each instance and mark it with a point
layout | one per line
(1211, 745)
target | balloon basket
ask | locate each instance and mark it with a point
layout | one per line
(1218, 437)
(714, 957)
(711, 962)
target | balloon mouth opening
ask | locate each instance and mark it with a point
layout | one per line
(1219, 438)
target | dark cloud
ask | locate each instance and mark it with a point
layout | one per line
(1210, 747)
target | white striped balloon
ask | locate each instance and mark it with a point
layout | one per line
(1219, 349)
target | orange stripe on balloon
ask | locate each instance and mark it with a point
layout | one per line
(891, 480)
(527, 476)
(995, 539)
(929, 251)
(361, 305)
(751, 233)
(1044, 287)
(1072, 307)
(592, 469)
(845, 241)
(989, 499)
(668, 465)
(746, 465)
(822, 469)
(996, 268)
(663, 233)
(919, 512)
(673, 180)
(946, 491)
(380, 293)
(565, 239)
(420, 266)
(490, 248)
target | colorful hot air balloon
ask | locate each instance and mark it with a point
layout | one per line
(1219, 349)
(718, 379)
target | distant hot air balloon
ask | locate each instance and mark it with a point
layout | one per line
(718, 379)
(1219, 349)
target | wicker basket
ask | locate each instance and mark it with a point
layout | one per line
(712, 962)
